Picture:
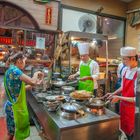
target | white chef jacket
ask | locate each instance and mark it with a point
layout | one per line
(94, 71)
(120, 66)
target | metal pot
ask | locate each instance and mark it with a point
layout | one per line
(56, 75)
(71, 111)
(58, 83)
(41, 96)
(70, 107)
(67, 89)
(52, 106)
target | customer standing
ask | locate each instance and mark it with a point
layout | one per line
(16, 109)
(127, 90)
(88, 70)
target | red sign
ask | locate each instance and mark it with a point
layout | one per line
(8, 41)
(48, 15)
(5, 40)
(28, 42)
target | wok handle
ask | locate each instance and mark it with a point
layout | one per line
(71, 83)
(107, 102)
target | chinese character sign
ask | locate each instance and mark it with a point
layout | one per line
(48, 15)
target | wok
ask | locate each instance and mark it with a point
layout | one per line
(97, 103)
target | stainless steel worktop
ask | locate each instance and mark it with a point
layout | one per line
(57, 128)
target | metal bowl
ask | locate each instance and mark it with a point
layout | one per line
(41, 96)
(67, 89)
(58, 83)
(52, 106)
(54, 98)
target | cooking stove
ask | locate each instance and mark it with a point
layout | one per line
(72, 116)
(58, 127)
(96, 111)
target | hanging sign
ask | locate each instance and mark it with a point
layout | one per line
(48, 15)
(5, 40)
(40, 42)
(9, 41)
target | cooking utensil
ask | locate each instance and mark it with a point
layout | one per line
(56, 75)
(53, 98)
(67, 89)
(96, 103)
(58, 83)
(80, 95)
(70, 107)
(41, 96)
(52, 106)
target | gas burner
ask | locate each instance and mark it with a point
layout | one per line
(70, 116)
(96, 111)
(71, 111)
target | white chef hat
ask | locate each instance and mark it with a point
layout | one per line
(128, 51)
(83, 48)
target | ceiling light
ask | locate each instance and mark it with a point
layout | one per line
(106, 19)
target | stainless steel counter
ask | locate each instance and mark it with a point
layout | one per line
(89, 127)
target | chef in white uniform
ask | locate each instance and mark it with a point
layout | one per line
(126, 93)
(88, 70)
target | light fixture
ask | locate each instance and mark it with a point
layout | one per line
(112, 37)
(72, 38)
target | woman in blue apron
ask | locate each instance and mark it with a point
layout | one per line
(14, 82)
(88, 70)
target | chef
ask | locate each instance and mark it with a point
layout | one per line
(88, 70)
(127, 90)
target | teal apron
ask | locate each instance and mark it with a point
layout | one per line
(20, 112)
(87, 85)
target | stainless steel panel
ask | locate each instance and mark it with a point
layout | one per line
(87, 128)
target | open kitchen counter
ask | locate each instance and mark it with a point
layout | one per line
(87, 127)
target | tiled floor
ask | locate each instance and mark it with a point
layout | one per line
(34, 134)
